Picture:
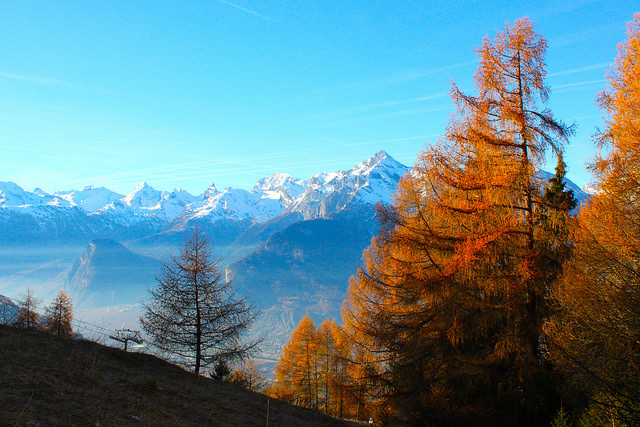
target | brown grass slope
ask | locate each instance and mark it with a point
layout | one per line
(48, 380)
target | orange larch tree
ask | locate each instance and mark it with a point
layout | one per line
(316, 370)
(344, 404)
(454, 289)
(60, 315)
(596, 335)
(297, 370)
(325, 356)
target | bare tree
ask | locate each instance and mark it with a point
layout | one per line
(27, 311)
(60, 315)
(193, 312)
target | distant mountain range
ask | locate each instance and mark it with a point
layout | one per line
(29, 217)
(289, 244)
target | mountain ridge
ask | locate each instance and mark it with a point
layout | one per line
(102, 213)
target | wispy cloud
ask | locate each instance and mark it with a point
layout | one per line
(244, 9)
(50, 81)
(396, 79)
(389, 115)
(407, 138)
(379, 105)
(586, 34)
(602, 65)
(576, 86)
(199, 169)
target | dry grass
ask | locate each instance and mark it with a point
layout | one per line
(47, 380)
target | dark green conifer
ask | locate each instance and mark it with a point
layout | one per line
(557, 196)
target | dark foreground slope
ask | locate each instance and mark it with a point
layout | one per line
(48, 380)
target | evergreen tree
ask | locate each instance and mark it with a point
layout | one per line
(454, 289)
(220, 371)
(556, 196)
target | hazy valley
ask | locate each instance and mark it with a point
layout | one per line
(289, 245)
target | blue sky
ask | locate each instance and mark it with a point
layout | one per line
(186, 93)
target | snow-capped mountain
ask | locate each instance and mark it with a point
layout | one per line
(280, 186)
(96, 212)
(235, 204)
(13, 196)
(373, 180)
(89, 198)
(147, 204)
(101, 213)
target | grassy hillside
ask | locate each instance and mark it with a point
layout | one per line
(49, 380)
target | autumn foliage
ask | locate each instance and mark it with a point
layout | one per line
(486, 299)
(60, 315)
(314, 370)
(596, 332)
(454, 290)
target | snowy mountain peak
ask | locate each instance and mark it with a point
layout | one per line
(174, 203)
(382, 155)
(142, 186)
(40, 192)
(210, 192)
(368, 182)
(381, 161)
(323, 195)
(279, 186)
(12, 195)
(144, 196)
(273, 181)
(89, 198)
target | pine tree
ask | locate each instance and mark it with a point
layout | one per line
(60, 315)
(594, 337)
(556, 196)
(194, 313)
(454, 289)
(220, 370)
